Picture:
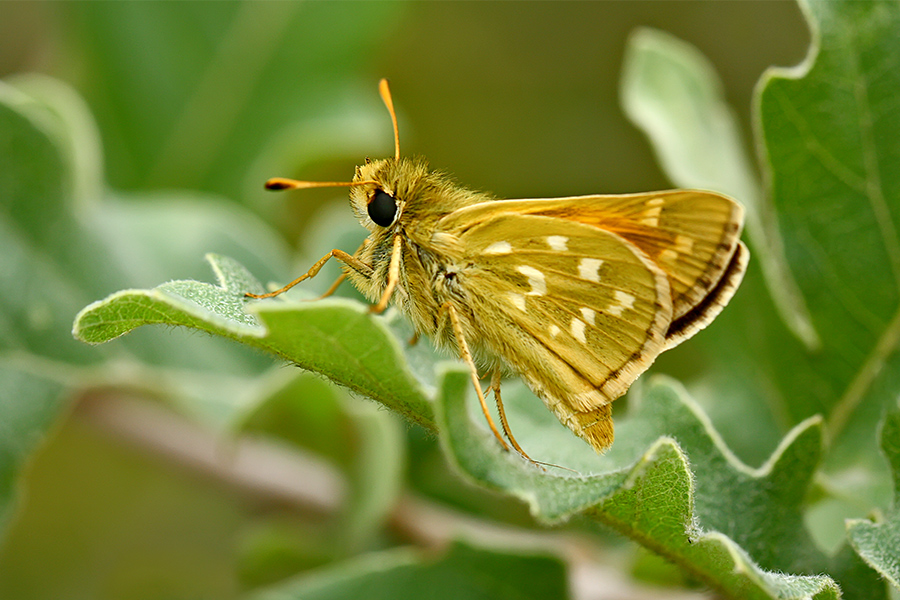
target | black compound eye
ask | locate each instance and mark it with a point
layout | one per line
(382, 208)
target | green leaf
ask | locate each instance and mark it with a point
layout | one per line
(823, 234)
(715, 522)
(461, 571)
(829, 132)
(689, 523)
(337, 338)
(672, 92)
(878, 543)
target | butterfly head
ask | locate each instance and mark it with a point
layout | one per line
(380, 191)
(385, 193)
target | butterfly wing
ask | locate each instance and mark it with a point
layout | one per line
(690, 235)
(579, 311)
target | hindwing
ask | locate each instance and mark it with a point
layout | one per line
(579, 311)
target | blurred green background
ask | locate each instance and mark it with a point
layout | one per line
(517, 98)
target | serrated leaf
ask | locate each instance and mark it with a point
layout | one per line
(328, 336)
(460, 572)
(878, 543)
(826, 133)
(703, 515)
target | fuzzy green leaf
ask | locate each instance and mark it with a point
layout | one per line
(337, 338)
(643, 487)
(716, 523)
(830, 130)
(827, 132)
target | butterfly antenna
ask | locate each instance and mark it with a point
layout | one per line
(385, 91)
(280, 183)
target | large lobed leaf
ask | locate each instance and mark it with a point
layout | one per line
(828, 132)
(669, 495)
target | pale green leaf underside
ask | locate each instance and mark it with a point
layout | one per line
(672, 92)
(335, 337)
(643, 487)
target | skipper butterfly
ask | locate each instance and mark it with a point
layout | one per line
(578, 295)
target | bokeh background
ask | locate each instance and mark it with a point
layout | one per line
(519, 98)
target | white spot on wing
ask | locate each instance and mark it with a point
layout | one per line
(577, 327)
(554, 330)
(589, 315)
(624, 300)
(558, 242)
(518, 300)
(589, 268)
(498, 248)
(656, 201)
(535, 278)
(651, 216)
(668, 255)
(684, 244)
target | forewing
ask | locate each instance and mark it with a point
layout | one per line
(690, 235)
(557, 291)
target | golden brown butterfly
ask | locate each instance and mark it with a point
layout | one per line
(578, 295)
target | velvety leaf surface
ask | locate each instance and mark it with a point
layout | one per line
(827, 130)
(644, 487)
(694, 521)
(333, 337)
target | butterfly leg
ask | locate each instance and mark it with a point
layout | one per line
(340, 280)
(473, 370)
(347, 259)
(495, 386)
(393, 276)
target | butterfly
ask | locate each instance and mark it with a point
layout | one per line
(578, 295)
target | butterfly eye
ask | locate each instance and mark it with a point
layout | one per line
(382, 208)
